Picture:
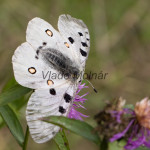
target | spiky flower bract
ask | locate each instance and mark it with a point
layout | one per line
(78, 103)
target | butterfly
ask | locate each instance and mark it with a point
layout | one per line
(47, 50)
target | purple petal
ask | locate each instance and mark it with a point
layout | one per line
(119, 135)
(77, 104)
(117, 115)
(135, 144)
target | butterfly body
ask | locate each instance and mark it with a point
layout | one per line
(48, 51)
(63, 64)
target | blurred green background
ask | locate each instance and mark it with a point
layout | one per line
(120, 43)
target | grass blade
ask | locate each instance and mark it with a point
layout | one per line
(14, 93)
(13, 123)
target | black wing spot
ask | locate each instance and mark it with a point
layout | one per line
(62, 110)
(44, 43)
(87, 39)
(80, 33)
(53, 133)
(67, 98)
(52, 91)
(84, 44)
(71, 40)
(37, 52)
(83, 53)
(36, 57)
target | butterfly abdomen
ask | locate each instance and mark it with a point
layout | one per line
(57, 61)
(61, 63)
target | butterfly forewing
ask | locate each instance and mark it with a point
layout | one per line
(33, 72)
(38, 35)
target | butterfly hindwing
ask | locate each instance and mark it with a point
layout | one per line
(44, 103)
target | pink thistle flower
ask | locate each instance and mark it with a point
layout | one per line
(78, 103)
(138, 128)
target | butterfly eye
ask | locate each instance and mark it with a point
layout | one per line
(32, 70)
(67, 45)
(50, 82)
(49, 32)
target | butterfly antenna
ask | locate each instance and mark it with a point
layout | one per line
(92, 86)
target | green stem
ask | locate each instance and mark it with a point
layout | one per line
(26, 139)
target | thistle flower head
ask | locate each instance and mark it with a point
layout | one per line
(110, 119)
(137, 131)
(78, 103)
(142, 111)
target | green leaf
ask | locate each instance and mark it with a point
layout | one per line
(14, 93)
(18, 103)
(122, 143)
(129, 106)
(115, 146)
(86, 82)
(79, 127)
(9, 84)
(61, 141)
(13, 123)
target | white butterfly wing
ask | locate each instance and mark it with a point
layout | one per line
(77, 34)
(44, 103)
(41, 34)
(30, 71)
